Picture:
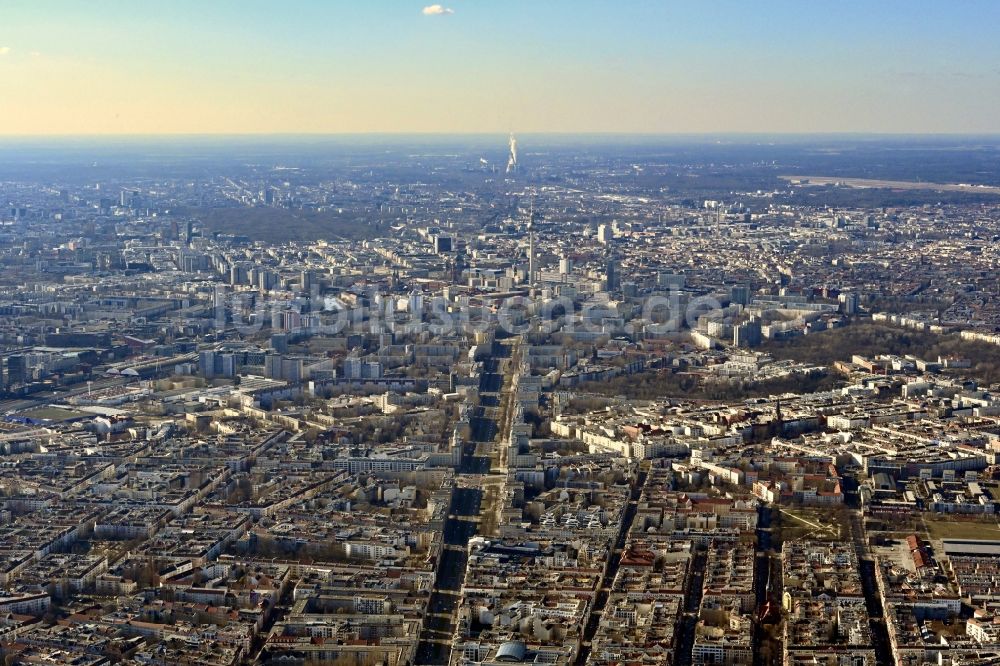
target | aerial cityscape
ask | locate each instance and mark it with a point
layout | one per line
(395, 394)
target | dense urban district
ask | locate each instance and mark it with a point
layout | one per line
(450, 403)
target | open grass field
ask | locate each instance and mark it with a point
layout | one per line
(953, 527)
(811, 524)
(54, 414)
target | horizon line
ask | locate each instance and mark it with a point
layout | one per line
(437, 133)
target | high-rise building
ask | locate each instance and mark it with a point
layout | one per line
(17, 369)
(849, 303)
(612, 274)
(305, 280)
(278, 366)
(415, 303)
(207, 362)
(356, 368)
(267, 280)
(279, 341)
(605, 234)
(238, 274)
(740, 294)
(442, 244)
(747, 334)
(531, 253)
(672, 281)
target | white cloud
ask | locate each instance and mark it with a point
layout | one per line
(437, 10)
(34, 54)
(4, 50)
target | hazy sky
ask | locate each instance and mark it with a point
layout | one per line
(226, 66)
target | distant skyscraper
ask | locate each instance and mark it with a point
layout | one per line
(512, 158)
(305, 280)
(605, 234)
(416, 302)
(740, 294)
(207, 361)
(531, 244)
(17, 369)
(747, 334)
(671, 281)
(442, 244)
(531, 254)
(457, 266)
(849, 303)
(612, 274)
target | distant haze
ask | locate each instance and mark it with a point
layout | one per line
(324, 66)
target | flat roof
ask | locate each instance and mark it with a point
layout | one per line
(982, 547)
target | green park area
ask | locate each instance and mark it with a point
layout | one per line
(53, 414)
(961, 527)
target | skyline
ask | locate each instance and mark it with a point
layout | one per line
(482, 334)
(477, 68)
